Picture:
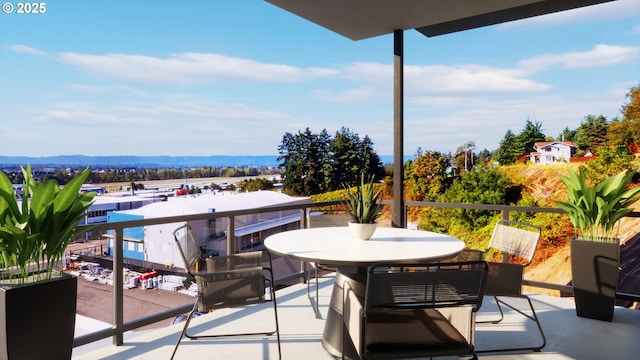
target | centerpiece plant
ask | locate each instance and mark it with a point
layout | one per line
(595, 210)
(364, 206)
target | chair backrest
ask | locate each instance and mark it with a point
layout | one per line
(426, 286)
(232, 280)
(516, 238)
(188, 249)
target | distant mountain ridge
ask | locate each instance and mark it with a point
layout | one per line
(151, 161)
(143, 161)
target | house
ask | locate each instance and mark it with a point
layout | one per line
(552, 152)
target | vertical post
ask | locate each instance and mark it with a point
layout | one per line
(304, 218)
(231, 244)
(118, 288)
(398, 213)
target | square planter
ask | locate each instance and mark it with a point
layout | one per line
(38, 320)
(594, 268)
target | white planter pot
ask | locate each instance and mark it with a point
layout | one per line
(363, 231)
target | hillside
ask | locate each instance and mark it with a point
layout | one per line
(552, 265)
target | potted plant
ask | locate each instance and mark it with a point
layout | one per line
(595, 211)
(364, 207)
(37, 300)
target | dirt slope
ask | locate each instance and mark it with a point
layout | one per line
(545, 186)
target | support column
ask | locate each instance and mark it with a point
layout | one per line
(398, 213)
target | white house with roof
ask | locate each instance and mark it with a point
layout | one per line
(552, 152)
(155, 243)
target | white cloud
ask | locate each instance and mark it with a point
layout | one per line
(430, 81)
(26, 50)
(188, 68)
(93, 120)
(600, 55)
(467, 79)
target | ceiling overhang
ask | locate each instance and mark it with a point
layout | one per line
(361, 19)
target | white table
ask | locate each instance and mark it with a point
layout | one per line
(337, 246)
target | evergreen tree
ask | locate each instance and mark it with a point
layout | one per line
(484, 157)
(302, 158)
(530, 134)
(507, 151)
(370, 161)
(343, 161)
(312, 164)
(567, 135)
(592, 133)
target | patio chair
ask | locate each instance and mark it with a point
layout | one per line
(228, 281)
(415, 310)
(517, 241)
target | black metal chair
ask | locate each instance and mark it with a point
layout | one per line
(517, 241)
(228, 281)
(415, 310)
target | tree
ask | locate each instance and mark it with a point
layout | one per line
(428, 177)
(484, 157)
(256, 184)
(567, 135)
(506, 153)
(370, 162)
(631, 110)
(530, 134)
(609, 161)
(626, 132)
(342, 162)
(592, 133)
(482, 186)
(464, 156)
(302, 159)
(311, 164)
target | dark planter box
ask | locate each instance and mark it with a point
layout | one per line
(38, 320)
(594, 268)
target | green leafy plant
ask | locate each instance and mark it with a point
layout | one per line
(35, 231)
(363, 204)
(596, 209)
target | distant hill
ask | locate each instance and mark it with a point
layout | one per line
(151, 161)
(143, 161)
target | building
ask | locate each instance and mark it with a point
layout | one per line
(552, 152)
(155, 243)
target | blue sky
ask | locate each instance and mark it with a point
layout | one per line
(232, 77)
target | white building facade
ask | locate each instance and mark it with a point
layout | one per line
(155, 243)
(553, 152)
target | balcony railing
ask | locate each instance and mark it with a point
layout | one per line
(119, 327)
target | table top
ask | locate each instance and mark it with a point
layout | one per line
(338, 246)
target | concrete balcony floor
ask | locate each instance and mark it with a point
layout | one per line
(568, 336)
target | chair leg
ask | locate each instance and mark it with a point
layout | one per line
(184, 332)
(184, 329)
(316, 306)
(533, 317)
(501, 314)
(275, 313)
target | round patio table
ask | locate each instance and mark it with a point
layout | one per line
(337, 246)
